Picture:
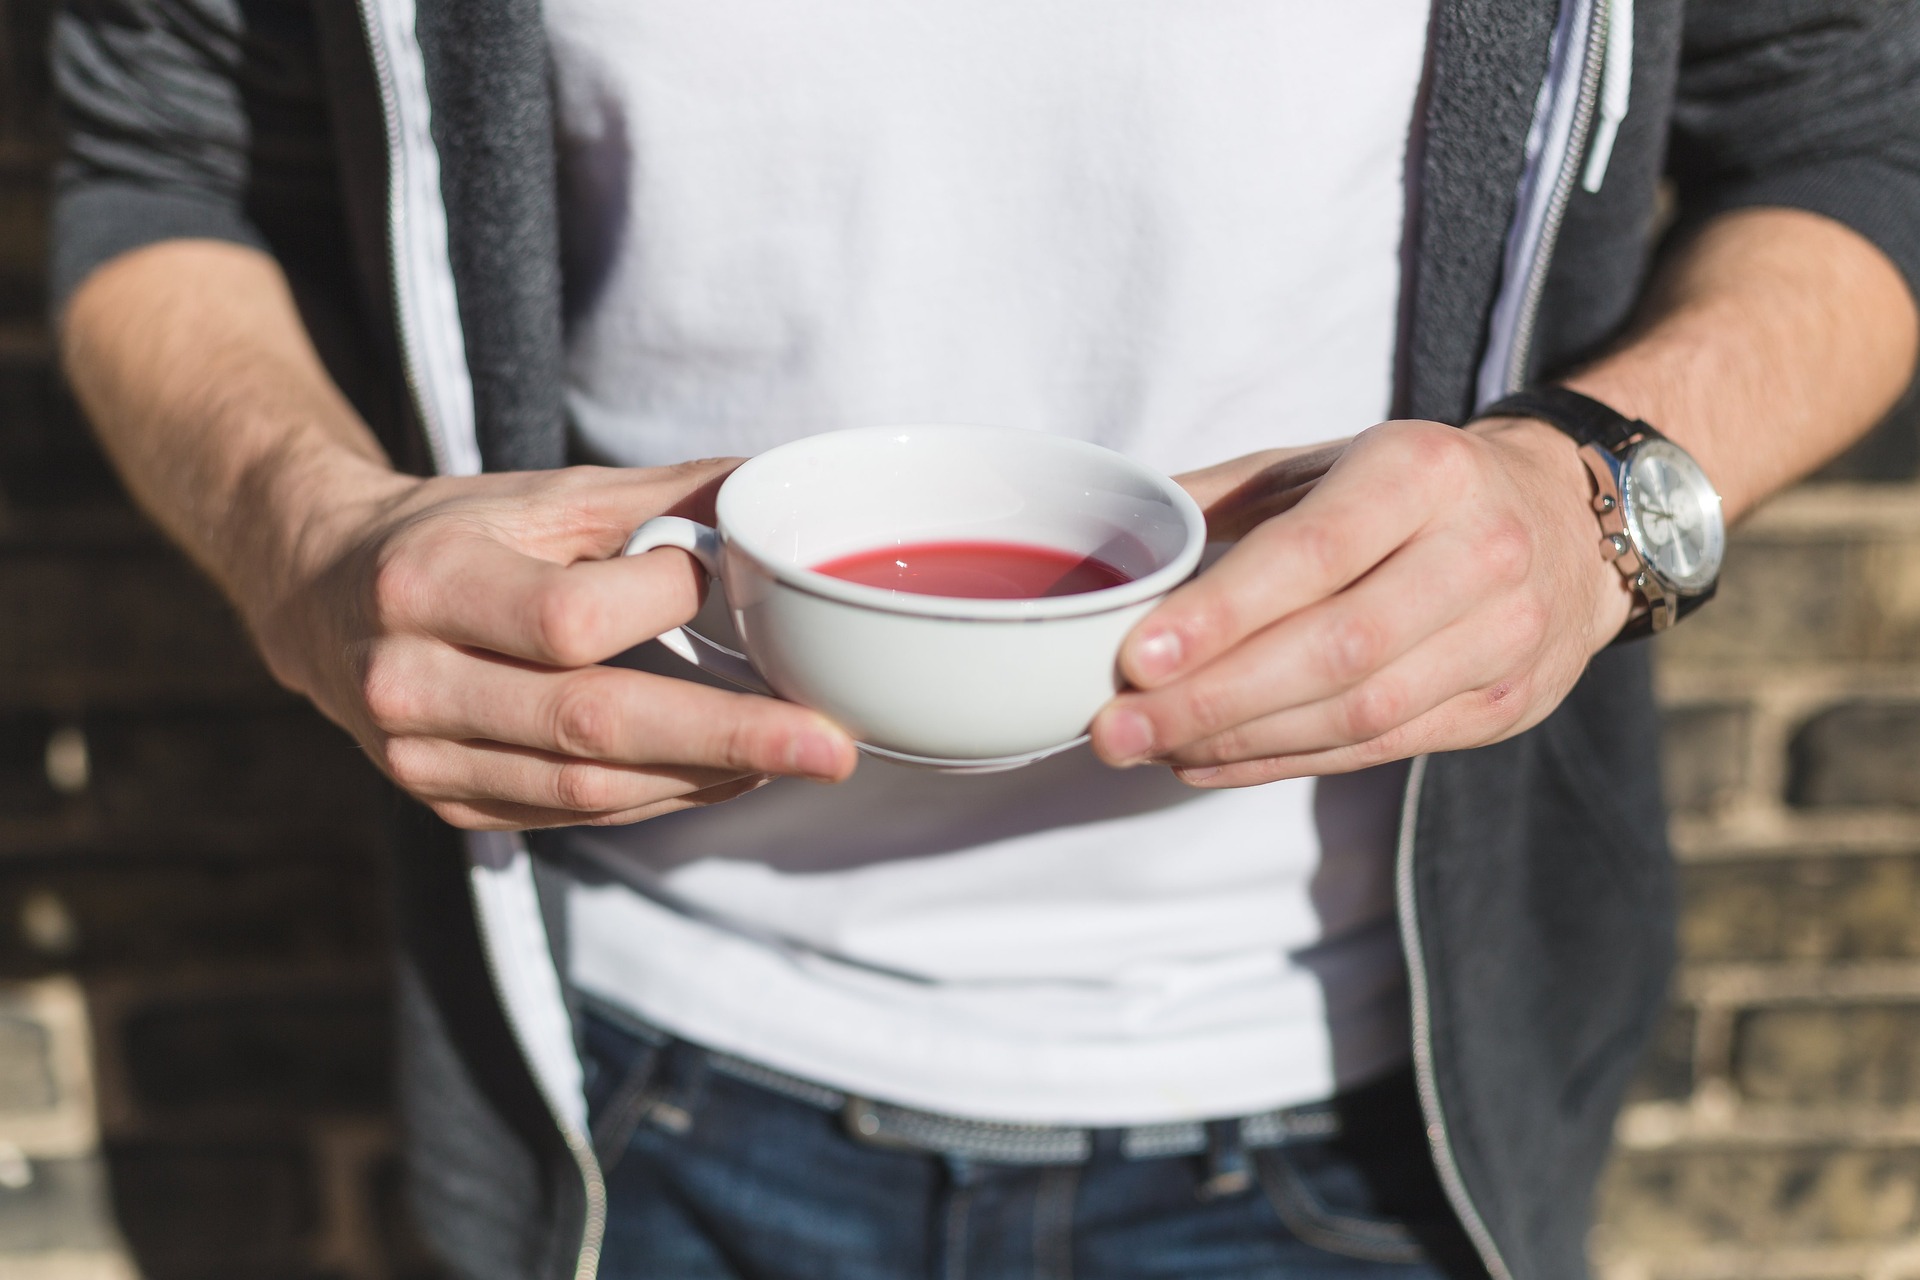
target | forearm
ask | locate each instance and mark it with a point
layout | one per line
(191, 360)
(1767, 344)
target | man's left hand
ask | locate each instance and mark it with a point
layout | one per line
(1431, 589)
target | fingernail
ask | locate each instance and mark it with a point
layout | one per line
(1200, 774)
(1157, 654)
(814, 755)
(1127, 736)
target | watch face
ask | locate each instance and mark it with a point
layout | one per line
(1673, 515)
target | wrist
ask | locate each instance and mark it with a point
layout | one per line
(1673, 407)
(1546, 449)
(296, 512)
(1549, 465)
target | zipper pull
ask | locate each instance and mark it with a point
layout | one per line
(1616, 88)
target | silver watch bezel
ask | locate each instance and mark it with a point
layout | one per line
(1702, 579)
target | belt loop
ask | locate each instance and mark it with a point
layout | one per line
(627, 1105)
(1228, 1173)
(684, 1089)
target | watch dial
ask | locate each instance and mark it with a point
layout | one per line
(1673, 514)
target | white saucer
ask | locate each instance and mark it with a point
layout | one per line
(994, 764)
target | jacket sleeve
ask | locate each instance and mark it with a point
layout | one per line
(200, 119)
(1809, 104)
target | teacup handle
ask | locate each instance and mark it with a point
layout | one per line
(703, 544)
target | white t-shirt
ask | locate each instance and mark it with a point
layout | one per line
(1170, 226)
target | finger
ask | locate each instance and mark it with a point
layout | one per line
(482, 815)
(1381, 491)
(428, 690)
(473, 590)
(1304, 659)
(435, 769)
(1455, 662)
(1240, 494)
(1471, 719)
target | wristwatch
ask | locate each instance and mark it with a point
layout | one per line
(1660, 519)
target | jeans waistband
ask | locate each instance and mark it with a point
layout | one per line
(886, 1124)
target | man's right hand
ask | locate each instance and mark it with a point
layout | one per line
(453, 626)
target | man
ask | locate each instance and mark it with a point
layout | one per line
(1238, 991)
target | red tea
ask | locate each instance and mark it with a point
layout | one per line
(975, 570)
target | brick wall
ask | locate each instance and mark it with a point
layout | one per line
(193, 1038)
(1776, 1131)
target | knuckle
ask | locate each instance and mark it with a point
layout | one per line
(583, 788)
(1374, 709)
(1230, 746)
(388, 692)
(743, 744)
(565, 620)
(1446, 451)
(583, 720)
(398, 584)
(1380, 748)
(1528, 625)
(410, 763)
(572, 480)
(1207, 707)
(384, 693)
(1207, 623)
(1506, 550)
(1353, 647)
(1317, 550)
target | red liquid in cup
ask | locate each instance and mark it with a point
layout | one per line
(975, 570)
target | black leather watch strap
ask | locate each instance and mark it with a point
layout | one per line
(1640, 624)
(1582, 417)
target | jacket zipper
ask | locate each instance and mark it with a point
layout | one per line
(396, 211)
(593, 1230)
(1571, 165)
(1446, 1164)
(1418, 991)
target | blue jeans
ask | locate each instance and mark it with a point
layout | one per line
(711, 1177)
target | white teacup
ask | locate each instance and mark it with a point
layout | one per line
(936, 680)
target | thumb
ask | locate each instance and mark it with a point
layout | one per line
(609, 503)
(1239, 494)
(697, 485)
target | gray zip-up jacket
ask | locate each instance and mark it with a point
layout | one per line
(398, 157)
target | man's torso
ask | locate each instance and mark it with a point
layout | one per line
(1174, 233)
